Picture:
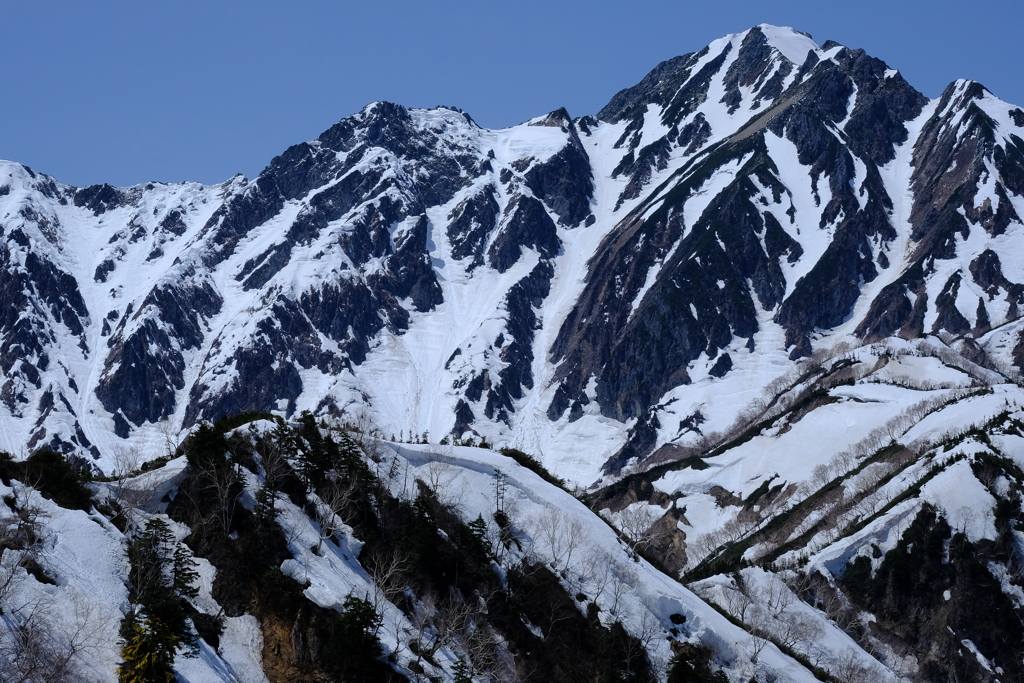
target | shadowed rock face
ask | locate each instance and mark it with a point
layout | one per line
(734, 195)
(564, 182)
(145, 368)
(528, 226)
(685, 313)
(955, 155)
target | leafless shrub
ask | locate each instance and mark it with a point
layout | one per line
(21, 538)
(388, 569)
(563, 535)
(639, 525)
(39, 645)
(846, 668)
(125, 498)
(361, 429)
(331, 501)
(461, 625)
(623, 578)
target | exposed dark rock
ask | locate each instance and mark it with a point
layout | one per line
(143, 372)
(266, 371)
(472, 222)
(56, 289)
(825, 296)
(565, 182)
(528, 226)
(693, 421)
(884, 104)
(685, 100)
(751, 70)
(121, 426)
(693, 135)
(656, 87)
(652, 157)
(982, 323)
(948, 166)
(639, 443)
(103, 270)
(950, 318)
(476, 387)
(721, 366)
(987, 272)
(525, 296)
(327, 206)
(258, 203)
(35, 292)
(99, 198)
(174, 223)
(345, 311)
(699, 300)
(370, 236)
(410, 273)
(464, 418)
(892, 310)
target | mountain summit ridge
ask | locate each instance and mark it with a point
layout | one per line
(724, 380)
(522, 284)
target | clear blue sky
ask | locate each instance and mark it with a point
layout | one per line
(131, 91)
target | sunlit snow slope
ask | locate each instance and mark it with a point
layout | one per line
(592, 290)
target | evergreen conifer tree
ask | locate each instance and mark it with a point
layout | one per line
(163, 578)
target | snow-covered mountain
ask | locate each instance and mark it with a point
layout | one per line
(546, 285)
(761, 312)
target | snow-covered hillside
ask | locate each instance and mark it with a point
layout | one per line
(761, 313)
(72, 580)
(552, 286)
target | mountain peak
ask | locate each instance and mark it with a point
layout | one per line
(790, 43)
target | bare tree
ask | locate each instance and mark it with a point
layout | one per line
(775, 594)
(21, 538)
(968, 517)
(846, 668)
(170, 437)
(597, 571)
(637, 523)
(126, 498)
(648, 628)
(563, 535)
(757, 624)
(272, 459)
(451, 618)
(461, 627)
(222, 483)
(40, 646)
(737, 602)
(440, 475)
(364, 433)
(388, 569)
(332, 500)
(424, 636)
(795, 629)
(623, 578)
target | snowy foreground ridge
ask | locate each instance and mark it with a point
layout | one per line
(741, 352)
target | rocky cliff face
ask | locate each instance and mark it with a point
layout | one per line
(561, 284)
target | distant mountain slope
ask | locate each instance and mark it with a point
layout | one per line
(553, 285)
(762, 313)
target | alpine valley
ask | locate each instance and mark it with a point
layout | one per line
(723, 382)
